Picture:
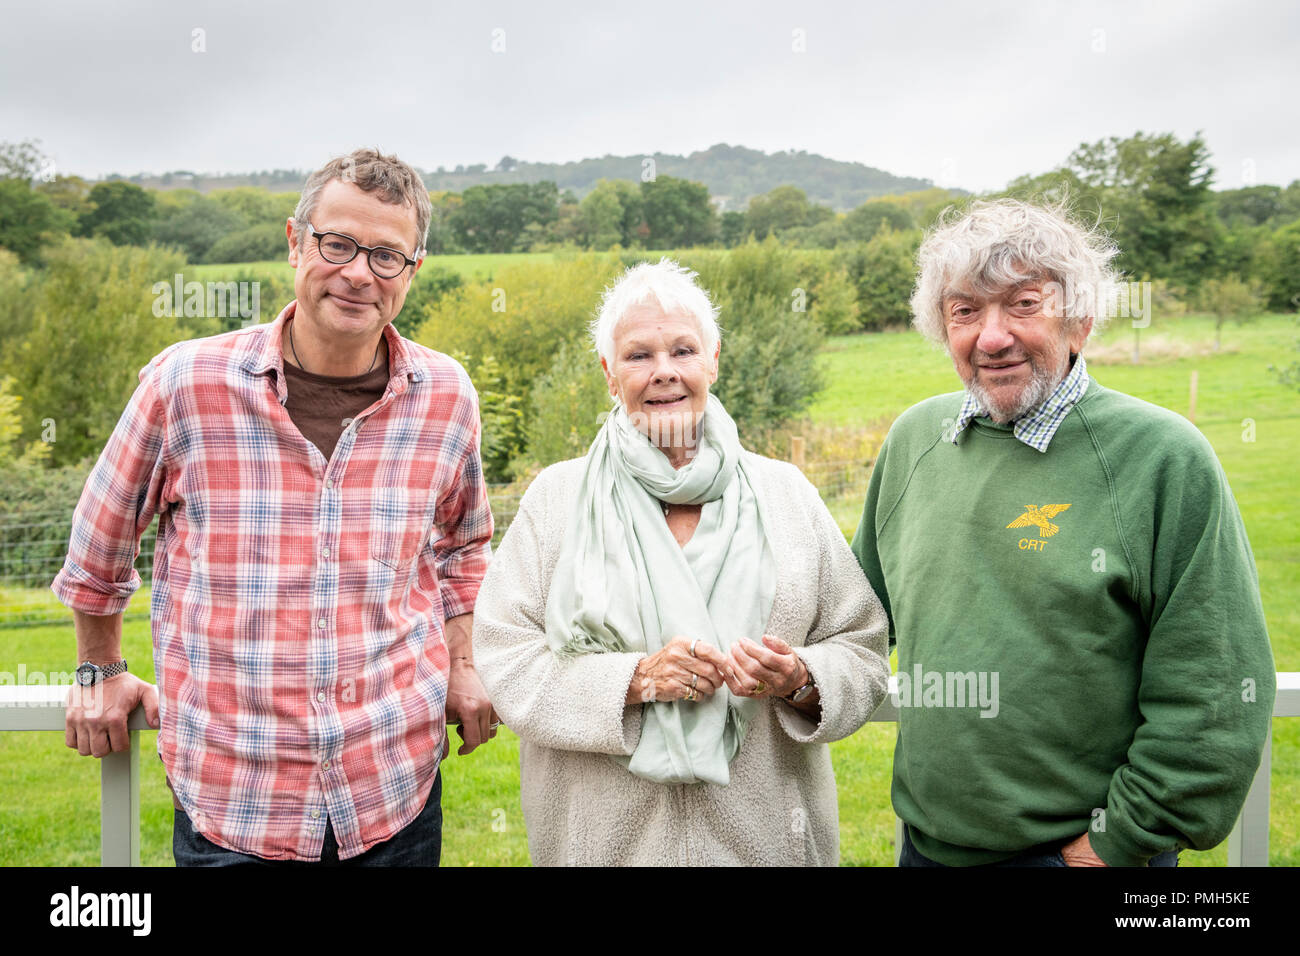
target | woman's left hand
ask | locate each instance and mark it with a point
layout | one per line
(771, 669)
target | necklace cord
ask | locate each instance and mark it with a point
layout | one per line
(298, 361)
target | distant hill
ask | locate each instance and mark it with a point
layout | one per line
(733, 175)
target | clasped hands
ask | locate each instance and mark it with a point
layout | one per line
(749, 669)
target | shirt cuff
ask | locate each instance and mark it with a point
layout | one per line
(82, 591)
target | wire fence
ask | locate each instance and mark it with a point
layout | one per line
(33, 545)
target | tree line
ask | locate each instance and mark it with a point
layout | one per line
(79, 263)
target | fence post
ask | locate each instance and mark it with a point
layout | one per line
(1191, 409)
(119, 806)
(797, 452)
(1248, 841)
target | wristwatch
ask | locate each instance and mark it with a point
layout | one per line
(801, 694)
(88, 674)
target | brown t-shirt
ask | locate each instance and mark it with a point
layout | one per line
(322, 406)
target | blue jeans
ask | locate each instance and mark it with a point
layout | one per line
(1048, 854)
(419, 843)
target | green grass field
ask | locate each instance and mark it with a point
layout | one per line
(475, 266)
(49, 795)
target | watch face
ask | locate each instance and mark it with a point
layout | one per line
(86, 675)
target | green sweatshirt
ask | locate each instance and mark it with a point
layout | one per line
(1081, 645)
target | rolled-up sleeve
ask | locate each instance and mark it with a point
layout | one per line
(120, 499)
(463, 547)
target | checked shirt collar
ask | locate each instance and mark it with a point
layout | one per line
(267, 356)
(1037, 427)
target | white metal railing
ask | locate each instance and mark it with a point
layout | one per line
(41, 707)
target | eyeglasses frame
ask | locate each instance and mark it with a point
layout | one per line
(407, 261)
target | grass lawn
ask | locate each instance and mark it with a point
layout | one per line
(470, 266)
(49, 795)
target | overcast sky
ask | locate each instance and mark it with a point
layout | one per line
(968, 94)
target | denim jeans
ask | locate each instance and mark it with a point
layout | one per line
(419, 843)
(1048, 854)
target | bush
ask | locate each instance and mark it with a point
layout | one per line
(523, 316)
(28, 220)
(884, 272)
(566, 407)
(835, 304)
(15, 300)
(92, 328)
(254, 244)
(768, 367)
(196, 226)
(1280, 268)
(428, 287)
(500, 412)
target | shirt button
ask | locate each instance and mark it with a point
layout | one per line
(321, 697)
(321, 623)
(325, 552)
(325, 765)
(329, 482)
(315, 814)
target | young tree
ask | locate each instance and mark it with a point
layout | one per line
(1228, 299)
(566, 404)
(600, 216)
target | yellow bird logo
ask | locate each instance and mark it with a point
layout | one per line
(1041, 517)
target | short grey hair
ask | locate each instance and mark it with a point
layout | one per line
(372, 171)
(666, 283)
(998, 244)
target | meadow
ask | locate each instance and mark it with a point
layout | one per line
(49, 795)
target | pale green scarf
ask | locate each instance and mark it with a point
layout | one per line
(624, 584)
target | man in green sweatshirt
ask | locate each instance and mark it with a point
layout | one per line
(1085, 677)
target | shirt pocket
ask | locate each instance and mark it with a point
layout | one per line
(400, 529)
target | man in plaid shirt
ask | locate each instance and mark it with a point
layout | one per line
(323, 527)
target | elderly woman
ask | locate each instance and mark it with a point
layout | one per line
(674, 626)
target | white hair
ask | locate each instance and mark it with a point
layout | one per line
(999, 244)
(667, 284)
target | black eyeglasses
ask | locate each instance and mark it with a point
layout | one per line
(339, 249)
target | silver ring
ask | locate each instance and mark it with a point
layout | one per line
(494, 726)
(693, 643)
(695, 679)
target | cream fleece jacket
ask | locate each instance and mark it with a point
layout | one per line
(580, 807)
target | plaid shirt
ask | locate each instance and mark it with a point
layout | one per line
(1037, 427)
(298, 604)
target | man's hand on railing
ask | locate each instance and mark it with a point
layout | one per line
(97, 715)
